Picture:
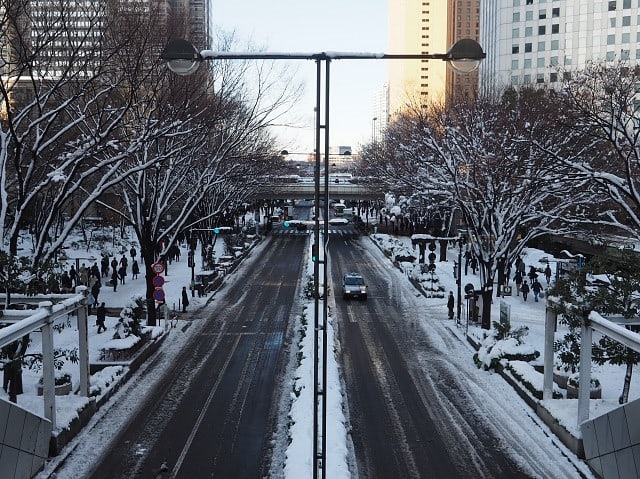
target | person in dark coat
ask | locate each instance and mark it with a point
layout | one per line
(114, 280)
(135, 269)
(122, 273)
(95, 290)
(525, 290)
(105, 266)
(73, 274)
(450, 304)
(536, 287)
(101, 315)
(185, 299)
(518, 280)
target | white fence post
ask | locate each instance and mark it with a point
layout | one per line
(48, 369)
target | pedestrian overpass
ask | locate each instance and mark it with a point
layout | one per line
(306, 190)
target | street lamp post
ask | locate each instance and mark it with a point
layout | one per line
(183, 58)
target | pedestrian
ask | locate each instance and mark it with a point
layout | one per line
(95, 291)
(517, 278)
(114, 265)
(185, 299)
(467, 260)
(90, 301)
(135, 269)
(66, 283)
(122, 273)
(114, 280)
(124, 263)
(133, 253)
(73, 274)
(547, 274)
(83, 274)
(105, 265)
(525, 290)
(450, 304)
(533, 274)
(101, 314)
(536, 287)
(474, 264)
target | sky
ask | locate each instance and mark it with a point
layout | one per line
(313, 27)
(538, 439)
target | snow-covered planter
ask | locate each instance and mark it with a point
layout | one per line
(595, 389)
(121, 349)
(531, 379)
(503, 344)
(62, 385)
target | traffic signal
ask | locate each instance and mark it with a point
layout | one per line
(286, 224)
(314, 253)
(432, 256)
(216, 230)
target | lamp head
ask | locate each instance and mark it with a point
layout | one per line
(465, 55)
(181, 56)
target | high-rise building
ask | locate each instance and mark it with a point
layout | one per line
(380, 118)
(428, 27)
(527, 40)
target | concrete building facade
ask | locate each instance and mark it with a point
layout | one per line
(427, 27)
(527, 40)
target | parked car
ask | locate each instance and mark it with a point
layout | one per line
(353, 286)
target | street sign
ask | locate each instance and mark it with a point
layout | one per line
(158, 295)
(158, 281)
(157, 267)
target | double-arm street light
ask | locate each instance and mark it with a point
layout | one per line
(183, 58)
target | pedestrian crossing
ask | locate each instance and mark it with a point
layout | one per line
(342, 232)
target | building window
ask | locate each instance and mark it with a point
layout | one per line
(542, 30)
(553, 77)
(626, 21)
(624, 55)
(515, 48)
(541, 46)
(527, 79)
(528, 31)
(516, 17)
(540, 63)
(514, 80)
(527, 63)
(542, 14)
(540, 78)
(611, 39)
(555, 45)
(529, 15)
(626, 38)
(529, 2)
(626, 4)
(515, 33)
(555, 28)
(612, 22)
(528, 47)
(555, 12)
(514, 64)
(612, 6)
(554, 61)
(611, 56)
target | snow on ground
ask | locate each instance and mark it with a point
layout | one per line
(299, 457)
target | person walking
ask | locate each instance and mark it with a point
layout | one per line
(95, 291)
(90, 301)
(547, 274)
(450, 304)
(122, 273)
(104, 263)
(101, 315)
(185, 299)
(135, 269)
(536, 287)
(114, 280)
(518, 280)
(525, 290)
(73, 274)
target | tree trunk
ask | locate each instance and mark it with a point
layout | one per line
(624, 397)
(487, 297)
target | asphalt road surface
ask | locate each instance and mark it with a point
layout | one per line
(214, 413)
(415, 409)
